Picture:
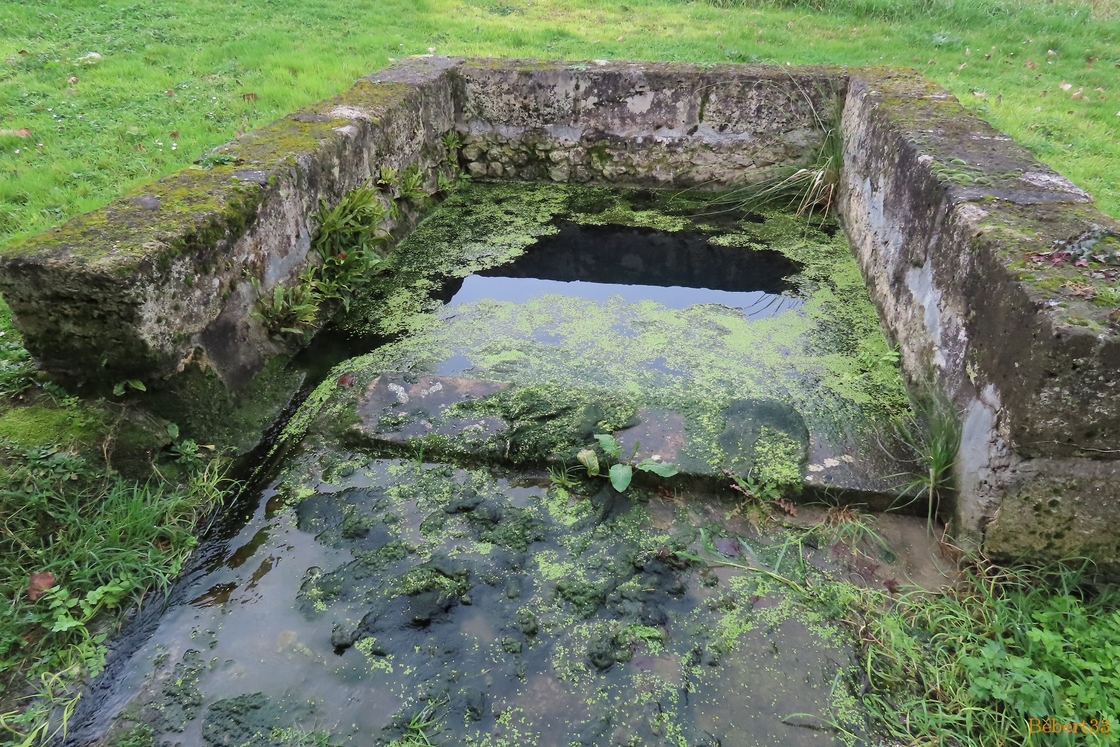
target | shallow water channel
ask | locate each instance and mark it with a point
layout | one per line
(414, 569)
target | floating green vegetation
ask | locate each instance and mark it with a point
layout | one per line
(579, 367)
(606, 612)
(548, 418)
(465, 235)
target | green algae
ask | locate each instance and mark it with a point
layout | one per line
(586, 611)
(37, 424)
(205, 409)
(570, 359)
(548, 419)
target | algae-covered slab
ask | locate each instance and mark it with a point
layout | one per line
(804, 393)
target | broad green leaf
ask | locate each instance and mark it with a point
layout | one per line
(588, 459)
(173, 431)
(664, 469)
(137, 385)
(63, 623)
(609, 444)
(621, 475)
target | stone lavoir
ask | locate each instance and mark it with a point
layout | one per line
(575, 281)
(948, 220)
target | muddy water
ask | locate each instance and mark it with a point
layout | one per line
(526, 613)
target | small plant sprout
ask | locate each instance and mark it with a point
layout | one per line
(452, 141)
(445, 184)
(412, 185)
(187, 450)
(210, 160)
(387, 179)
(758, 497)
(418, 731)
(287, 311)
(621, 472)
(122, 386)
(563, 476)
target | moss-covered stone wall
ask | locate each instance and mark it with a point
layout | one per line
(162, 279)
(1001, 282)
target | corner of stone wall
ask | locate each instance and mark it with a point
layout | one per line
(160, 283)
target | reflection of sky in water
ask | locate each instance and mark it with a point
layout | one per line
(757, 304)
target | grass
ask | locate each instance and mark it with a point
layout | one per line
(932, 438)
(79, 542)
(970, 666)
(422, 723)
(809, 191)
(166, 88)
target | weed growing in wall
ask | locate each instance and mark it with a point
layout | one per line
(348, 241)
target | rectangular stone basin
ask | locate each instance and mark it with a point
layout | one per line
(990, 272)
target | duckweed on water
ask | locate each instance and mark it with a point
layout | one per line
(578, 367)
(588, 627)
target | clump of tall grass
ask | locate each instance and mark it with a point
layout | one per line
(808, 190)
(931, 438)
(78, 545)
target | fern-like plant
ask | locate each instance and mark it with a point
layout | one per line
(287, 311)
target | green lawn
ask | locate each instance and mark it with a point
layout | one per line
(179, 76)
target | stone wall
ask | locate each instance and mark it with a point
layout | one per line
(641, 123)
(952, 223)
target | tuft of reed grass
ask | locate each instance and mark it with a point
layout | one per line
(932, 438)
(810, 190)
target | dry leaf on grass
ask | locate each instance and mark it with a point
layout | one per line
(38, 584)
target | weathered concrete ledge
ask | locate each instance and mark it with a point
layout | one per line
(960, 234)
(161, 279)
(974, 252)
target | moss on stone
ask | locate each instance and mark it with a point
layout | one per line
(38, 425)
(205, 409)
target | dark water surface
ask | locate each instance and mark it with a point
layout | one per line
(675, 269)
